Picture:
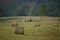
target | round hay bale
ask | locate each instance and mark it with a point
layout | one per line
(56, 25)
(19, 30)
(14, 24)
(37, 25)
(24, 20)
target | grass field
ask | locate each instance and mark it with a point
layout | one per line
(46, 32)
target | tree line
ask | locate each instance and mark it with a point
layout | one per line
(44, 8)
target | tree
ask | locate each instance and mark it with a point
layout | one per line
(42, 10)
(18, 10)
(55, 6)
(2, 12)
(31, 6)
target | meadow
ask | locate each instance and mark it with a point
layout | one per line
(45, 32)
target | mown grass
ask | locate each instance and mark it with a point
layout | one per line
(45, 32)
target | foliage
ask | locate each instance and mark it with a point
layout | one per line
(56, 8)
(35, 8)
(41, 9)
(18, 10)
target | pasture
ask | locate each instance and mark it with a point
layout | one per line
(45, 32)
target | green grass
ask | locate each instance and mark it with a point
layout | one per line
(45, 32)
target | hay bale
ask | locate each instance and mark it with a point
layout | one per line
(14, 24)
(37, 25)
(19, 30)
(24, 20)
(56, 25)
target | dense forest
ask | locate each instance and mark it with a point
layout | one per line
(29, 7)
